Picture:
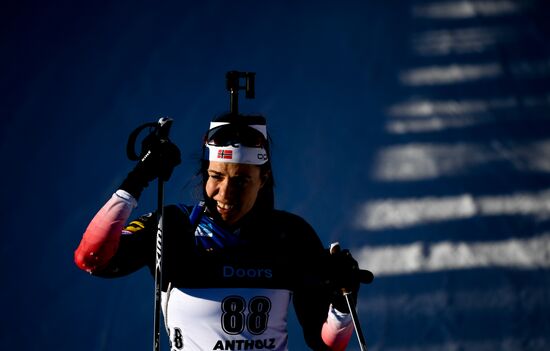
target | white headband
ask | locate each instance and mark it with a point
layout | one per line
(236, 154)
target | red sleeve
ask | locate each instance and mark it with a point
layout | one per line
(337, 330)
(102, 236)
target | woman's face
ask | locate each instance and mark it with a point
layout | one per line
(234, 187)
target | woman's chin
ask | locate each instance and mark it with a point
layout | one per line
(229, 217)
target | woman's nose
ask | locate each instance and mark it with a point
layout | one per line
(225, 189)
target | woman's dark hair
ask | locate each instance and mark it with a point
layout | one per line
(266, 197)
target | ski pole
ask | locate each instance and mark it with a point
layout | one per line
(162, 133)
(355, 321)
(158, 133)
(158, 264)
(365, 277)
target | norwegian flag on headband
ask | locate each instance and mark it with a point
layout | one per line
(225, 154)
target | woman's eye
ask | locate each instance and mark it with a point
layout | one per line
(241, 182)
(216, 176)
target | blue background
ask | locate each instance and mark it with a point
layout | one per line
(334, 80)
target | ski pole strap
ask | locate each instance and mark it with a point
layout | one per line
(130, 146)
(159, 130)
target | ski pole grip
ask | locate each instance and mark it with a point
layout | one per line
(334, 247)
(164, 125)
(365, 276)
(161, 129)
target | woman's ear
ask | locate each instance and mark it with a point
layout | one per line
(264, 177)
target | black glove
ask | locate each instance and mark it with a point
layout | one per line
(161, 158)
(344, 275)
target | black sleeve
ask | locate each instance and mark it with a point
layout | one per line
(311, 310)
(311, 301)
